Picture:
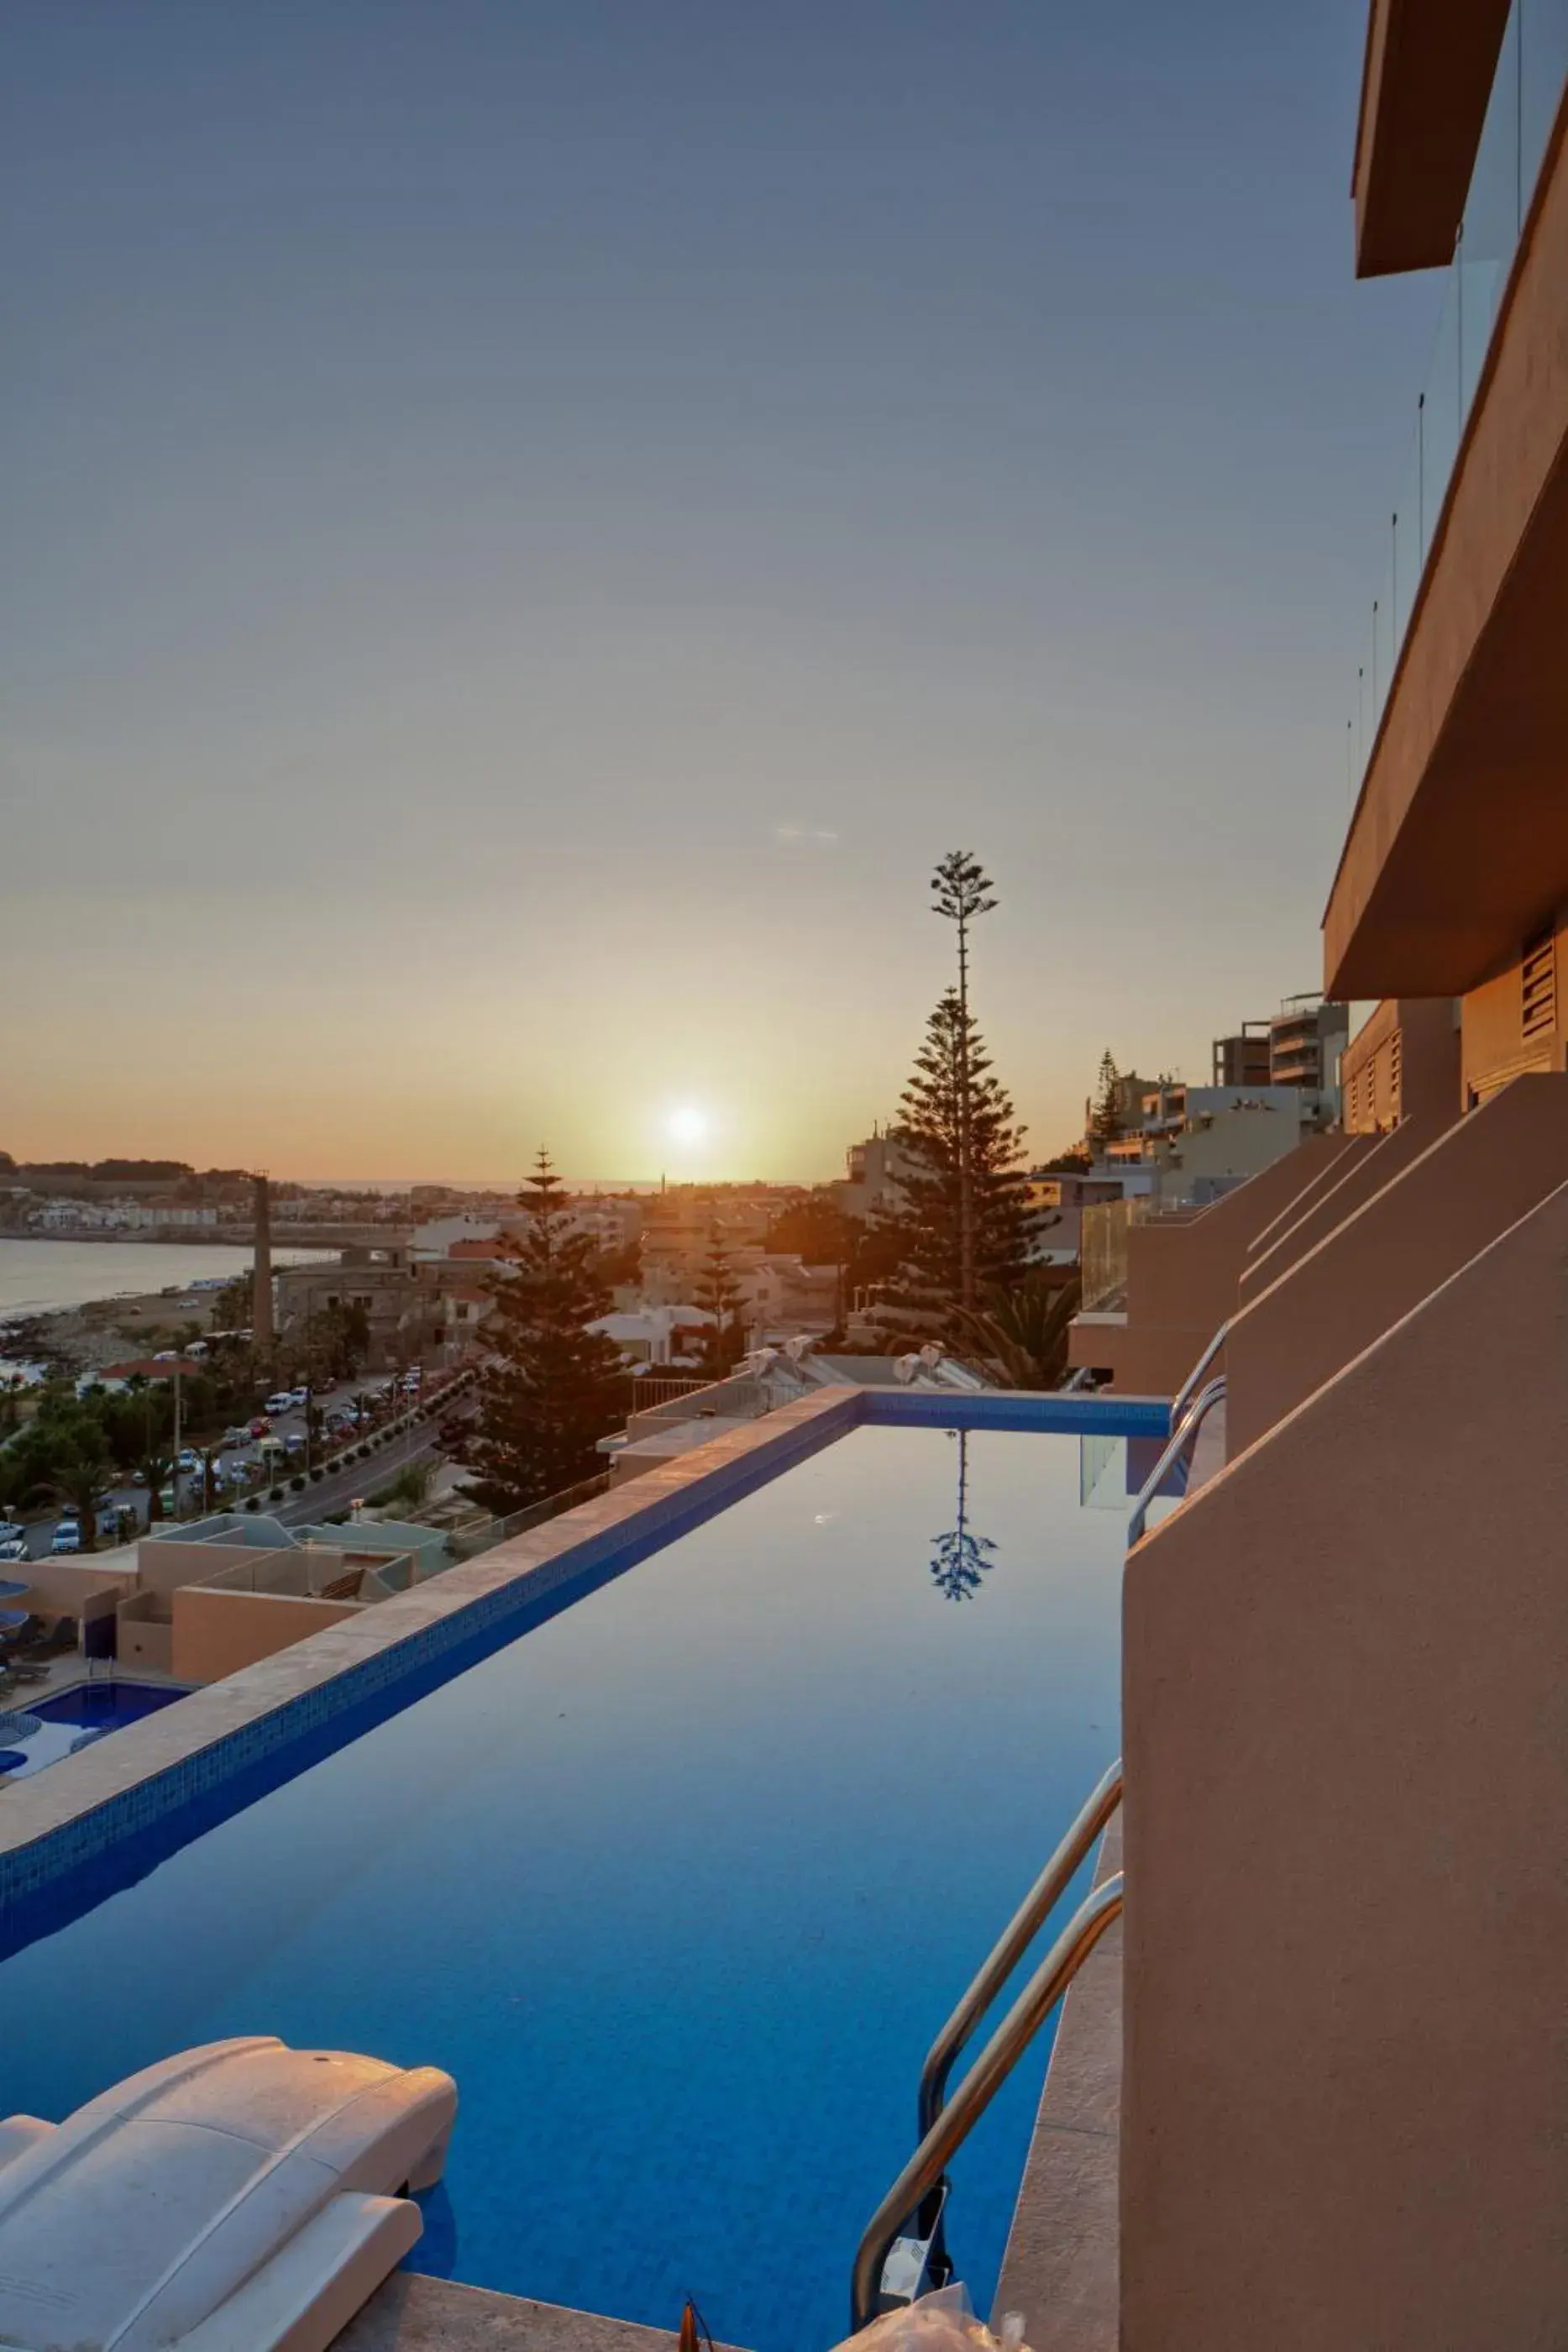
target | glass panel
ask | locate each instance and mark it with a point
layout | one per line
(1542, 68)
(1410, 550)
(1442, 413)
(1103, 1253)
(1527, 91)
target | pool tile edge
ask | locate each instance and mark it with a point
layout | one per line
(56, 1821)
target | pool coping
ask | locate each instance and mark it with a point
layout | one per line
(411, 2313)
(83, 1808)
(1062, 2264)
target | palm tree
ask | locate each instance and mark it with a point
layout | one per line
(155, 1468)
(1019, 1336)
(209, 1457)
(80, 1478)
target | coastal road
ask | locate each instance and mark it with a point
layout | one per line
(334, 1492)
(359, 1480)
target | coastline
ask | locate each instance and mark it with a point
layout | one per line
(66, 1305)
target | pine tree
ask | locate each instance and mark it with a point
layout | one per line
(959, 889)
(720, 1296)
(1105, 1120)
(953, 1098)
(961, 1557)
(550, 1388)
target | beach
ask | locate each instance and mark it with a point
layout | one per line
(86, 1302)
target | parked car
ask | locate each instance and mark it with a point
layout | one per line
(260, 1426)
(238, 1435)
(189, 1458)
(66, 1538)
(298, 1396)
(13, 1547)
(11, 1530)
(282, 1402)
(295, 1441)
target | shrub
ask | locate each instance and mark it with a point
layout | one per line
(253, 1502)
(275, 1494)
(297, 1484)
(317, 1476)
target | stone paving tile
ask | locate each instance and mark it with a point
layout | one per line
(423, 2315)
(1062, 2264)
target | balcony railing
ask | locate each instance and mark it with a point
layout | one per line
(1103, 1252)
(1526, 93)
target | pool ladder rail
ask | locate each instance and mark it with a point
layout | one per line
(903, 2249)
(1184, 1435)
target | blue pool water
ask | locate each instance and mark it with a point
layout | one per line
(678, 1886)
(65, 1715)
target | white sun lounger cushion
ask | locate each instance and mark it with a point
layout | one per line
(239, 2198)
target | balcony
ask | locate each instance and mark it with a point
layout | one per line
(1458, 725)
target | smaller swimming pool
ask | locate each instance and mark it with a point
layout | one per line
(67, 1719)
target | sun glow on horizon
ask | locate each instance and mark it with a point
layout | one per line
(688, 1124)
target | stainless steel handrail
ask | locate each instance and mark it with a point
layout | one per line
(1014, 1941)
(976, 2092)
(1181, 1438)
(1189, 1386)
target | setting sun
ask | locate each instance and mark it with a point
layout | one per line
(688, 1124)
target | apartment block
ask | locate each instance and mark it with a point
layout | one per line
(1346, 1814)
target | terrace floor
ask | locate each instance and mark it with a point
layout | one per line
(425, 2314)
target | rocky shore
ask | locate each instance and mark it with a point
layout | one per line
(106, 1330)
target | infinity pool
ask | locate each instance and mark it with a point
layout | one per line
(679, 1886)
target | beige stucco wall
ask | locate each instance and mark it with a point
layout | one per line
(75, 1588)
(1375, 1161)
(1477, 1178)
(143, 1638)
(217, 1632)
(1346, 1821)
(1182, 1274)
(165, 1565)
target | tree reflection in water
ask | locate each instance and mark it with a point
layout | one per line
(961, 1557)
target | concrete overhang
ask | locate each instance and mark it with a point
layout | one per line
(1424, 85)
(1459, 845)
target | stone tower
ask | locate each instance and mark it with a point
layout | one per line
(261, 1302)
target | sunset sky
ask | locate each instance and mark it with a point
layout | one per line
(532, 527)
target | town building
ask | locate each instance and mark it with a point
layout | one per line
(871, 1186)
(1242, 1059)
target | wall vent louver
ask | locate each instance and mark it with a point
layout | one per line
(1538, 977)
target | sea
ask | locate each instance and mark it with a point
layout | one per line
(37, 1277)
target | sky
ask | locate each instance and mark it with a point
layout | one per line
(532, 527)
